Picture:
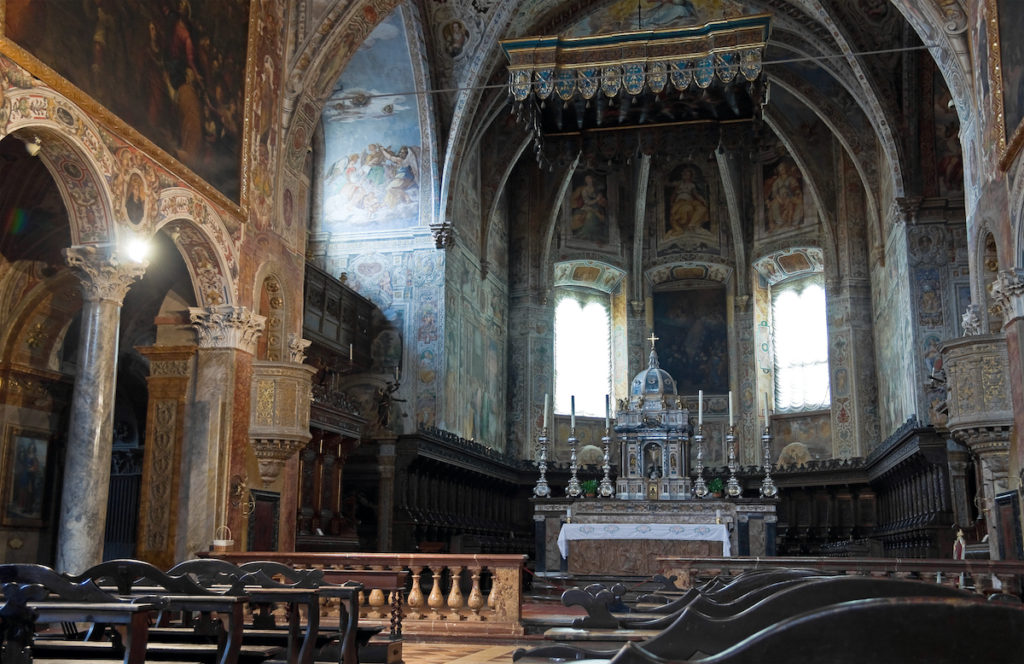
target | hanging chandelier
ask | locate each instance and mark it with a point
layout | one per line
(573, 68)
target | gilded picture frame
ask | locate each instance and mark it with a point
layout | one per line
(27, 479)
(1006, 74)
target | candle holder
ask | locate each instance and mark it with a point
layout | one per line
(605, 489)
(768, 488)
(700, 489)
(732, 487)
(573, 490)
(542, 490)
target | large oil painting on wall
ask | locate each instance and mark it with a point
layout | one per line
(693, 346)
(1010, 78)
(172, 69)
(371, 166)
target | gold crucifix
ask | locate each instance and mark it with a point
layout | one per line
(652, 339)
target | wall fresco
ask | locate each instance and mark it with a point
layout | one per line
(372, 138)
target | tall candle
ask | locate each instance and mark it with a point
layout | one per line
(766, 409)
(350, 352)
(730, 408)
(700, 407)
(547, 409)
(607, 413)
(572, 411)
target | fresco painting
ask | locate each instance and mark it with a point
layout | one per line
(655, 14)
(687, 214)
(693, 344)
(783, 195)
(172, 69)
(949, 161)
(372, 138)
(588, 208)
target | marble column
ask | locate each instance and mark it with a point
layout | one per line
(105, 280)
(218, 423)
(385, 491)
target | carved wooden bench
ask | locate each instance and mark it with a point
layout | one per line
(34, 595)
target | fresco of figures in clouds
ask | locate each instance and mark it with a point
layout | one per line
(372, 138)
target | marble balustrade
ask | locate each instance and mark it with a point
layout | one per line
(486, 600)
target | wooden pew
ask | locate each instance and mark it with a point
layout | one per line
(34, 594)
(937, 630)
(135, 578)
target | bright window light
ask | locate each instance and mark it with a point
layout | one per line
(801, 346)
(137, 249)
(582, 355)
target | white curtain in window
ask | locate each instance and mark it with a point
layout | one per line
(582, 355)
(801, 347)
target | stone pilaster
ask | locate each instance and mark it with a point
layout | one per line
(170, 368)
(385, 491)
(105, 280)
(218, 421)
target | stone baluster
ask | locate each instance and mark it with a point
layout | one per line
(415, 600)
(455, 598)
(436, 600)
(475, 602)
(377, 600)
(105, 280)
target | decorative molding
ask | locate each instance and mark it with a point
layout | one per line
(271, 455)
(443, 235)
(956, 16)
(225, 326)
(104, 277)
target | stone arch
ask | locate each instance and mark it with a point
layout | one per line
(74, 153)
(986, 272)
(200, 235)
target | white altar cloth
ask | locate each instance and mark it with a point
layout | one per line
(646, 531)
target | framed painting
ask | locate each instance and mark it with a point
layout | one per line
(27, 477)
(1006, 71)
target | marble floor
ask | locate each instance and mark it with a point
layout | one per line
(461, 653)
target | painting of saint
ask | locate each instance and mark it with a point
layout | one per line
(687, 208)
(693, 347)
(588, 205)
(949, 164)
(27, 480)
(135, 200)
(783, 195)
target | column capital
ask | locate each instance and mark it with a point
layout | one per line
(1008, 292)
(297, 348)
(104, 276)
(225, 326)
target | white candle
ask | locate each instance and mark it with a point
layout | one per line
(766, 409)
(700, 407)
(547, 409)
(572, 411)
(568, 512)
(730, 408)
(607, 413)
(350, 352)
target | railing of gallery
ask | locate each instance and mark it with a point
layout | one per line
(450, 593)
(982, 575)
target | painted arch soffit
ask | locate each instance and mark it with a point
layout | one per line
(790, 263)
(588, 274)
(689, 270)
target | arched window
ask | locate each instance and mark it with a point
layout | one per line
(800, 336)
(583, 358)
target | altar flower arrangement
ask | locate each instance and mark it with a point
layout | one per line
(715, 485)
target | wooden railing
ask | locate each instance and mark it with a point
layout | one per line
(982, 575)
(448, 593)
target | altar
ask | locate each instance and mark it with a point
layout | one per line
(637, 545)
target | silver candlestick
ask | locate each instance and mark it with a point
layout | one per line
(542, 490)
(700, 489)
(732, 487)
(768, 488)
(605, 489)
(573, 490)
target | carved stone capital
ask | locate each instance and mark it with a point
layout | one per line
(443, 235)
(1008, 292)
(225, 326)
(904, 210)
(104, 276)
(297, 348)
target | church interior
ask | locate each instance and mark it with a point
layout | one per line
(418, 276)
